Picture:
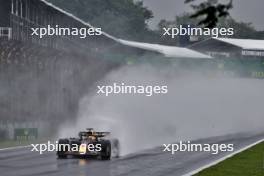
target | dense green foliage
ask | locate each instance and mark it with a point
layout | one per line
(210, 12)
(122, 18)
(241, 29)
(128, 19)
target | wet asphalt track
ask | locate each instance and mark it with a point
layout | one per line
(153, 162)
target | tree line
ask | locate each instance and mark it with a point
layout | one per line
(128, 19)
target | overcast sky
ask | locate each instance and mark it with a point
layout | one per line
(244, 10)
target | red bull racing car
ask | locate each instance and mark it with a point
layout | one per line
(89, 143)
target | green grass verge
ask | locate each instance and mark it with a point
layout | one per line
(247, 163)
(13, 143)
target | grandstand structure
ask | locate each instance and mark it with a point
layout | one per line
(42, 80)
(19, 16)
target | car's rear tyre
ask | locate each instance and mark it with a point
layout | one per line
(106, 150)
(61, 153)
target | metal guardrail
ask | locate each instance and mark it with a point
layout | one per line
(6, 32)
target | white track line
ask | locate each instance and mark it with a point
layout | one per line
(222, 159)
(11, 148)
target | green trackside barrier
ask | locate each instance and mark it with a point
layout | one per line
(250, 68)
(239, 67)
(25, 134)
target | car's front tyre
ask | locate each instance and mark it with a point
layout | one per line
(62, 148)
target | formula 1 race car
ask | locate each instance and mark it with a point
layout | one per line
(89, 143)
